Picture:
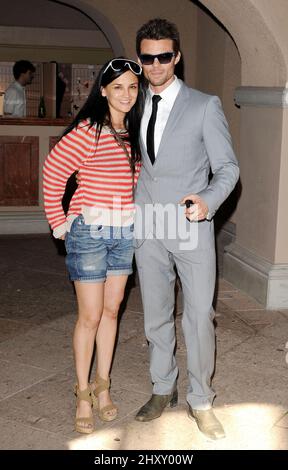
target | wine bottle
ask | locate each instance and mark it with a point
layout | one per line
(41, 108)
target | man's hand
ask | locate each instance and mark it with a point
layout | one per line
(198, 210)
(63, 237)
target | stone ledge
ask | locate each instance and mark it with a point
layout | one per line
(266, 282)
(276, 97)
(23, 222)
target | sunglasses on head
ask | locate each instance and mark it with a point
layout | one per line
(164, 58)
(120, 64)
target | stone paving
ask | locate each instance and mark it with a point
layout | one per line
(37, 405)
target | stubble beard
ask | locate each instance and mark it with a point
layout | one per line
(160, 81)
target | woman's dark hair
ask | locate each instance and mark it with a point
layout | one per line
(156, 29)
(96, 110)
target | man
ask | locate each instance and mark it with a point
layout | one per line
(184, 136)
(15, 99)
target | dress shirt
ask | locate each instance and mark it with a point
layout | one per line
(15, 100)
(164, 108)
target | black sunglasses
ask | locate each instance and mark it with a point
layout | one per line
(119, 64)
(164, 58)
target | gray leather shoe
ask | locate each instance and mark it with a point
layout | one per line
(207, 423)
(154, 407)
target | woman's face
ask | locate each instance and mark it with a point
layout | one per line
(121, 94)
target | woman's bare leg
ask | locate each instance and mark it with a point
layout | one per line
(106, 334)
(90, 297)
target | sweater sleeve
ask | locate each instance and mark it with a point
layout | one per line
(137, 172)
(60, 164)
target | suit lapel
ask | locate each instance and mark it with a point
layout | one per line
(176, 112)
(145, 156)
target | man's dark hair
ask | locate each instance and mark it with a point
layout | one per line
(22, 66)
(158, 28)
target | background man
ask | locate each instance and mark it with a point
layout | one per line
(15, 99)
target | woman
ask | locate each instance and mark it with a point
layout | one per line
(103, 144)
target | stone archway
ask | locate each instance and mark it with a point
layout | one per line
(258, 261)
(263, 63)
(101, 21)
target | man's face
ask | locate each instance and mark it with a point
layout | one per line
(159, 75)
(27, 77)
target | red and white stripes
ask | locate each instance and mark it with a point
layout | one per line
(105, 175)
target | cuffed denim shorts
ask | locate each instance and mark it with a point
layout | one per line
(97, 251)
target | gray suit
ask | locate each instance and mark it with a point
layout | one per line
(195, 139)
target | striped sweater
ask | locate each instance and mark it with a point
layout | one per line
(105, 193)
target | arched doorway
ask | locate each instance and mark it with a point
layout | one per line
(262, 59)
(258, 261)
(95, 15)
(46, 31)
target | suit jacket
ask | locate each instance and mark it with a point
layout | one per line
(195, 141)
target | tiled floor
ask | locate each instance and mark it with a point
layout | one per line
(37, 405)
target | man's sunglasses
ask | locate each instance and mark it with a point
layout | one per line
(120, 64)
(164, 58)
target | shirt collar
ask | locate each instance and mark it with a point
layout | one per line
(19, 86)
(170, 93)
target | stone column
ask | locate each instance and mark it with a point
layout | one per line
(258, 260)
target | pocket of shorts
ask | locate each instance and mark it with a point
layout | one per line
(79, 225)
(128, 232)
(66, 241)
(74, 222)
(79, 233)
(96, 231)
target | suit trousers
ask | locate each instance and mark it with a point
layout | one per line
(196, 269)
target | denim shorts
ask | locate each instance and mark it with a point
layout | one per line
(97, 251)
